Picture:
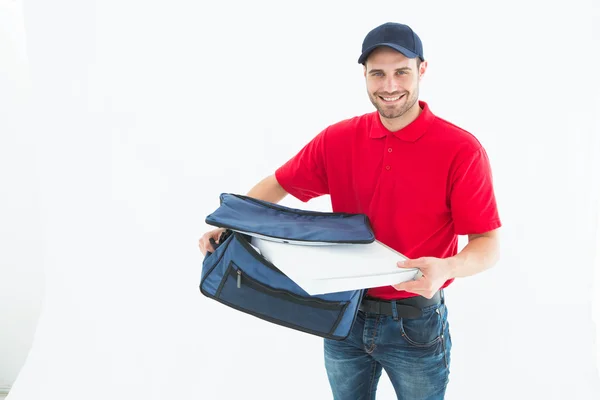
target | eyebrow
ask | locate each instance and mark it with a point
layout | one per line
(397, 69)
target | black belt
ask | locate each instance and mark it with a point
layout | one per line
(405, 308)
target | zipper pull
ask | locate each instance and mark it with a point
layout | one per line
(239, 278)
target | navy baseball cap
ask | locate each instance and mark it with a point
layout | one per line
(399, 37)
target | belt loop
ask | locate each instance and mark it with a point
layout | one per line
(394, 310)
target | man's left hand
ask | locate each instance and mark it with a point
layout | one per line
(436, 271)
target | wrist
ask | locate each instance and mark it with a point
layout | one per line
(454, 266)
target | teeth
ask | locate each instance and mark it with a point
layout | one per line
(391, 98)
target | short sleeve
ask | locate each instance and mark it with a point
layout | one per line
(472, 198)
(304, 176)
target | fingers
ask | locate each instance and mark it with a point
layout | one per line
(413, 263)
(216, 234)
(204, 246)
(421, 291)
(204, 243)
(422, 287)
(410, 286)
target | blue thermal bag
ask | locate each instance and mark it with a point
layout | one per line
(239, 277)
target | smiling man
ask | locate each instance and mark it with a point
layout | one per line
(422, 181)
(395, 99)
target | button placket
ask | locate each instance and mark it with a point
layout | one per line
(387, 160)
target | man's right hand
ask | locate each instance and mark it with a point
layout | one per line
(204, 241)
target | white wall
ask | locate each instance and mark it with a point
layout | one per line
(21, 272)
(146, 111)
(596, 264)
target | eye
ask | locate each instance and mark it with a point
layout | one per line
(377, 73)
(402, 72)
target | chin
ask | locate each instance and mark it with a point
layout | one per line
(393, 113)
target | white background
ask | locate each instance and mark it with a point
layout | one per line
(140, 113)
(21, 240)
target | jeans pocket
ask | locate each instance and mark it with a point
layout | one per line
(425, 331)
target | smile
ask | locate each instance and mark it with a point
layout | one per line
(391, 99)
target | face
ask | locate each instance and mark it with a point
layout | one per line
(392, 81)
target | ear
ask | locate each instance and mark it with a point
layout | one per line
(422, 69)
(364, 70)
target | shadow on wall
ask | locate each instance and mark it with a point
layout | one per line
(21, 270)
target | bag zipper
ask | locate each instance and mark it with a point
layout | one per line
(259, 257)
(326, 304)
(295, 211)
(284, 239)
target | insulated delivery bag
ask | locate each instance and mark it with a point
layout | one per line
(237, 275)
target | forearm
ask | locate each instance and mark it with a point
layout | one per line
(268, 190)
(477, 256)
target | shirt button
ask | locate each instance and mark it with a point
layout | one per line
(387, 167)
(390, 150)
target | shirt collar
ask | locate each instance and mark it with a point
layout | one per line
(411, 132)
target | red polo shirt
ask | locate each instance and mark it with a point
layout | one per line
(420, 186)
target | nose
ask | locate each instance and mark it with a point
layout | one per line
(390, 85)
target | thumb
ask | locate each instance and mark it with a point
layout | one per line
(412, 263)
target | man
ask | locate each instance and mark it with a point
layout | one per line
(422, 181)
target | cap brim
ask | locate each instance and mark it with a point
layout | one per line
(363, 57)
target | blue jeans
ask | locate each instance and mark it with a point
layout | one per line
(415, 354)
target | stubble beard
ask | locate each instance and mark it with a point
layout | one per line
(386, 112)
